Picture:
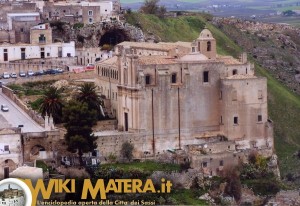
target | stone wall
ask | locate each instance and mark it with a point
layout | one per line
(37, 64)
(105, 125)
(48, 141)
(67, 76)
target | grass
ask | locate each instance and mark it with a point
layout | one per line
(42, 164)
(284, 110)
(167, 29)
(31, 88)
(187, 197)
(145, 166)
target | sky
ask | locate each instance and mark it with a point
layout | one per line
(12, 185)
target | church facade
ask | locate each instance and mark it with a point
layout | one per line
(170, 96)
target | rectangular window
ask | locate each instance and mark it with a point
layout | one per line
(5, 55)
(259, 118)
(148, 79)
(60, 53)
(42, 53)
(221, 163)
(204, 164)
(90, 13)
(205, 76)
(42, 38)
(90, 20)
(6, 148)
(68, 54)
(174, 78)
(235, 120)
(260, 94)
(221, 120)
(234, 96)
(23, 53)
(221, 95)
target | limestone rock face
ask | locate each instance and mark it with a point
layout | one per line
(91, 35)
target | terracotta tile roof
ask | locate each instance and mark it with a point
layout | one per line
(156, 46)
(111, 61)
(153, 60)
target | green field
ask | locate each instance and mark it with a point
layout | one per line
(145, 166)
(284, 106)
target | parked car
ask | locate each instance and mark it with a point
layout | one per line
(30, 73)
(13, 75)
(90, 66)
(4, 108)
(50, 71)
(5, 75)
(59, 70)
(38, 73)
(22, 74)
(54, 71)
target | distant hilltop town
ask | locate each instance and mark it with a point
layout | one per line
(13, 197)
(178, 102)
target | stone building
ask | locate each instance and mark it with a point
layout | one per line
(171, 96)
(40, 47)
(12, 197)
(10, 150)
(16, 19)
(86, 12)
(91, 55)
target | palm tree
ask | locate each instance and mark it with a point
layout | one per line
(52, 103)
(87, 94)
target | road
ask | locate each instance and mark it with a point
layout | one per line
(16, 116)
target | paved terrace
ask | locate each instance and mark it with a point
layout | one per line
(16, 116)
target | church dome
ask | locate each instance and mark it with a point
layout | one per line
(193, 57)
(205, 34)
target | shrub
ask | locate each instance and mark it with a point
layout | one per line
(80, 38)
(126, 150)
(112, 158)
(233, 186)
(78, 25)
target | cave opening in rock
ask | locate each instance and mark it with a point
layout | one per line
(113, 37)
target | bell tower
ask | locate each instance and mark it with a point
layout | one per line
(206, 44)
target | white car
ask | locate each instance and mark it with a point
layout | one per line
(22, 74)
(4, 108)
(30, 73)
(13, 75)
(5, 75)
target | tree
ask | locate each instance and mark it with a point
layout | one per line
(79, 120)
(126, 150)
(87, 94)
(52, 103)
(233, 183)
(152, 7)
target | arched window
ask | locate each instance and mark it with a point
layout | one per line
(208, 46)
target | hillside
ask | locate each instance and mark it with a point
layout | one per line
(284, 105)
